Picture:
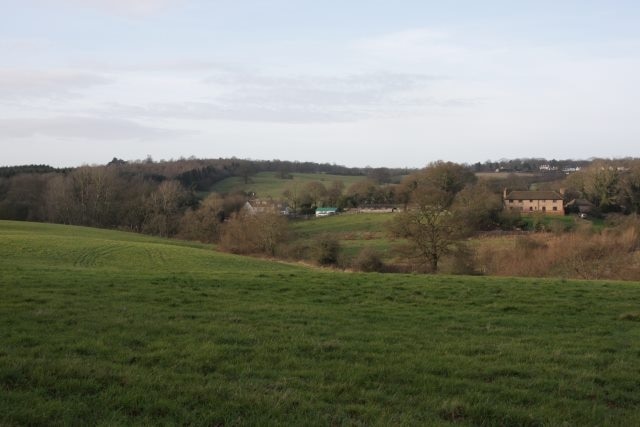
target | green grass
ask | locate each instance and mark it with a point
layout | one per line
(354, 231)
(344, 223)
(565, 222)
(107, 328)
(267, 184)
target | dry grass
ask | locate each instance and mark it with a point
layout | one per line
(610, 254)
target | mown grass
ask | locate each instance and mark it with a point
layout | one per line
(108, 328)
(268, 184)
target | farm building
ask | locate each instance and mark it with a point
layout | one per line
(266, 206)
(326, 211)
(579, 206)
(377, 209)
(547, 202)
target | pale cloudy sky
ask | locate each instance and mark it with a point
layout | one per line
(359, 82)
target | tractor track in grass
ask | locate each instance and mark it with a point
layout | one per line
(92, 256)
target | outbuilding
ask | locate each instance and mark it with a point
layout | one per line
(326, 211)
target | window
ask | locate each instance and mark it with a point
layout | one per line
(530, 208)
(510, 201)
(555, 208)
(530, 201)
(519, 201)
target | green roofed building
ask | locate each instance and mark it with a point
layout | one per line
(326, 211)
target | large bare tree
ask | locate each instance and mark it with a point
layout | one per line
(429, 223)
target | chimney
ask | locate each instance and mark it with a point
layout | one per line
(504, 194)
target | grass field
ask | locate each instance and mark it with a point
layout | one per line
(354, 231)
(267, 184)
(107, 328)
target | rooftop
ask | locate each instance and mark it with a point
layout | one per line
(533, 195)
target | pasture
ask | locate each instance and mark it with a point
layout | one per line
(268, 184)
(107, 328)
(354, 231)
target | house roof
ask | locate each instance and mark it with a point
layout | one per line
(580, 202)
(533, 195)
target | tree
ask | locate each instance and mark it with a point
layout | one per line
(315, 191)
(84, 197)
(379, 175)
(334, 193)
(429, 224)
(163, 209)
(477, 208)
(630, 188)
(362, 193)
(327, 250)
(439, 182)
(246, 170)
(430, 230)
(293, 196)
(205, 222)
(599, 183)
(247, 233)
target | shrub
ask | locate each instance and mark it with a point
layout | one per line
(252, 234)
(327, 250)
(634, 317)
(613, 253)
(463, 260)
(368, 260)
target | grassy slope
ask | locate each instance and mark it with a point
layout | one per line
(267, 184)
(355, 231)
(100, 327)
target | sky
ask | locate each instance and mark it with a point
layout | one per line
(359, 83)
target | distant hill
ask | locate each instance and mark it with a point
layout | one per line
(268, 184)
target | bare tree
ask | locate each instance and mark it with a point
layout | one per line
(163, 209)
(293, 195)
(334, 193)
(431, 231)
(429, 224)
(315, 191)
(205, 222)
(247, 233)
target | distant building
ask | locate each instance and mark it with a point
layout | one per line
(582, 207)
(326, 211)
(257, 206)
(377, 209)
(547, 202)
(571, 169)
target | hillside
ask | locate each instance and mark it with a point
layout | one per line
(353, 231)
(268, 184)
(110, 328)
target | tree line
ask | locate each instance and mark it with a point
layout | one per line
(158, 197)
(441, 205)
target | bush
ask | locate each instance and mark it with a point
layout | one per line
(327, 250)
(252, 234)
(509, 220)
(613, 253)
(463, 260)
(368, 260)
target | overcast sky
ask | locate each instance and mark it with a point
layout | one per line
(357, 82)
